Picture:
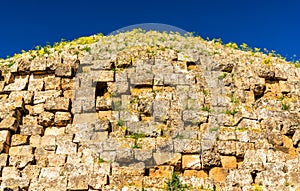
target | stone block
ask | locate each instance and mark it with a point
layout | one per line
(20, 160)
(51, 172)
(5, 136)
(31, 130)
(36, 83)
(103, 103)
(24, 150)
(67, 84)
(52, 83)
(63, 70)
(26, 95)
(65, 147)
(3, 160)
(195, 173)
(18, 140)
(55, 160)
(46, 119)
(35, 109)
(79, 182)
(41, 96)
(104, 76)
(97, 181)
(20, 83)
(191, 162)
(48, 142)
(142, 79)
(161, 172)
(218, 174)
(228, 162)
(62, 118)
(9, 123)
(57, 104)
(55, 131)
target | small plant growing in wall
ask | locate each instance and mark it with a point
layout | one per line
(206, 108)
(174, 184)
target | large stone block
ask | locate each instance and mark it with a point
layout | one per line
(18, 140)
(31, 130)
(52, 83)
(218, 174)
(57, 104)
(36, 83)
(104, 76)
(20, 83)
(63, 70)
(162, 171)
(62, 118)
(18, 150)
(9, 123)
(20, 160)
(41, 96)
(191, 162)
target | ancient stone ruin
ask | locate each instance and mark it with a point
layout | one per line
(148, 111)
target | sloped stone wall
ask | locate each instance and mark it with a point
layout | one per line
(130, 119)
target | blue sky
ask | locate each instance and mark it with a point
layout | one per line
(274, 25)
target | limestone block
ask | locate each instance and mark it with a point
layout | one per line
(26, 95)
(79, 182)
(63, 70)
(162, 171)
(9, 123)
(218, 174)
(284, 87)
(41, 96)
(30, 120)
(20, 160)
(154, 182)
(38, 64)
(191, 162)
(171, 79)
(62, 118)
(52, 83)
(20, 83)
(104, 76)
(31, 171)
(3, 160)
(35, 141)
(254, 163)
(242, 147)
(103, 103)
(195, 173)
(97, 181)
(51, 172)
(18, 140)
(187, 146)
(5, 136)
(46, 119)
(36, 83)
(24, 150)
(31, 130)
(227, 147)
(55, 160)
(228, 162)
(67, 84)
(48, 142)
(51, 184)
(55, 131)
(10, 172)
(195, 117)
(35, 109)
(57, 104)
(15, 183)
(65, 147)
(142, 79)
(239, 177)
(210, 158)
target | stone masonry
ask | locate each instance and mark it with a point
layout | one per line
(129, 111)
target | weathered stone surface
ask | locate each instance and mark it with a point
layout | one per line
(24, 150)
(42, 96)
(20, 160)
(31, 130)
(57, 103)
(62, 118)
(46, 119)
(52, 83)
(63, 70)
(18, 140)
(191, 162)
(228, 162)
(20, 83)
(162, 171)
(9, 123)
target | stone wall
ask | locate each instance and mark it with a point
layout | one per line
(130, 118)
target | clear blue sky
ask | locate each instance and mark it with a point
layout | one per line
(272, 24)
